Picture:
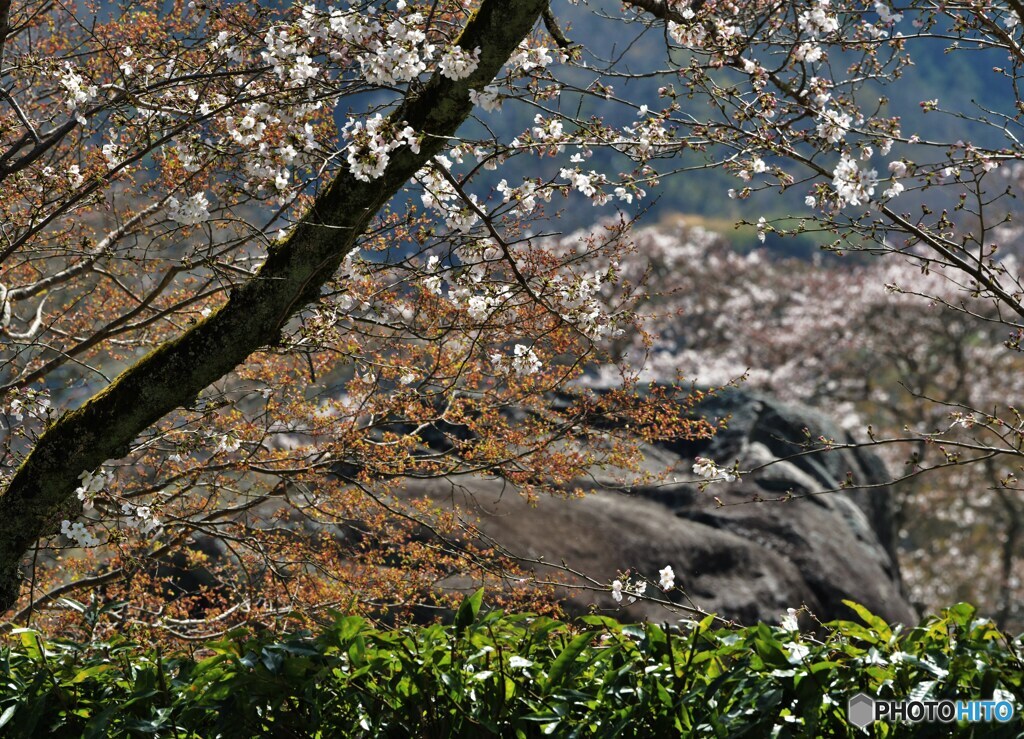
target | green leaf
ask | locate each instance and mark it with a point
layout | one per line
(8, 714)
(90, 671)
(562, 663)
(606, 621)
(30, 641)
(272, 660)
(468, 611)
(656, 640)
(705, 623)
(875, 622)
(961, 613)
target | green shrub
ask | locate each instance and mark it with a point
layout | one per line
(494, 674)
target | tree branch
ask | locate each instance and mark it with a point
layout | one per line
(664, 9)
(551, 24)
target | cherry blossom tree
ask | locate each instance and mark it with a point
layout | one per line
(259, 288)
(260, 262)
(819, 100)
(931, 358)
(836, 335)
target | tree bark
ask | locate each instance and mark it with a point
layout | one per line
(5, 24)
(255, 314)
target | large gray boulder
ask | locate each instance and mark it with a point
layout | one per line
(741, 559)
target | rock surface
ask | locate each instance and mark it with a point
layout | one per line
(745, 561)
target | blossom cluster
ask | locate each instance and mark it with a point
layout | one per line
(529, 58)
(35, 403)
(79, 92)
(461, 213)
(819, 21)
(488, 99)
(290, 61)
(632, 590)
(191, 211)
(524, 195)
(711, 472)
(79, 533)
(648, 137)
(457, 63)
(400, 54)
(370, 144)
(579, 301)
(140, 518)
(853, 185)
(93, 483)
(522, 361)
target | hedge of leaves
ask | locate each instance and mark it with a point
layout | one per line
(492, 674)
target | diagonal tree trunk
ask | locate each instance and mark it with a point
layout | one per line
(254, 316)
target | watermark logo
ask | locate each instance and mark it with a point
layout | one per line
(862, 710)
